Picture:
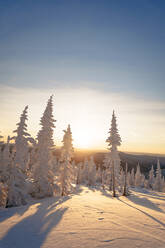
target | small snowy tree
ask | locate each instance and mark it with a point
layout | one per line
(151, 178)
(138, 177)
(21, 142)
(67, 148)
(131, 177)
(113, 161)
(158, 179)
(66, 167)
(79, 173)
(43, 175)
(17, 190)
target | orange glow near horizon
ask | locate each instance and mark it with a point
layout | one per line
(89, 114)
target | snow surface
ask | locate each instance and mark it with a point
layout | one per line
(88, 219)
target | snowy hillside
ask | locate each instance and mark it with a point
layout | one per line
(90, 218)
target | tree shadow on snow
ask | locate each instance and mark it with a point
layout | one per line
(6, 213)
(152, 194)
(33, 230)
(142, 211)
(145, 202)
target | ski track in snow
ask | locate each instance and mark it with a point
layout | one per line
(87, 219)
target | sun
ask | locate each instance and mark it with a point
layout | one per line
(82, 140)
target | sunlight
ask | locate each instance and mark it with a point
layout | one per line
(82, 139)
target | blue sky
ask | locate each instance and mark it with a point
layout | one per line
(117, 44)
(110, 46)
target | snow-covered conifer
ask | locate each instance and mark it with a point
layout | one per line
(67, 148)
(79, 173)
(21, 142)
(113, 161)
(43, 175)
(66, 167)
(131, 177)
(17, 190)
(151, 178)
(138, 177)
(158, 178)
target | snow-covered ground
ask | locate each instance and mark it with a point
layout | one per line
(88, 219)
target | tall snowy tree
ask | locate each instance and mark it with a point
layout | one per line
(113, 161)
(66, 167)
(43, 175)
(22, 139)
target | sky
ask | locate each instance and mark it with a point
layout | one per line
(94, 56)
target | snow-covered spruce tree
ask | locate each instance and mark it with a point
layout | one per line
(22, 139)
(13, 180)
(113, 161)
(66, 168)
(151, 178)
(138, 177)
(85, 171)
(158, 178)
(79, 173)
(131, 178)
(16, 183)
(67, 148)
(43, 175)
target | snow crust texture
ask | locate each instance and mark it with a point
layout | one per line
(89, 218)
